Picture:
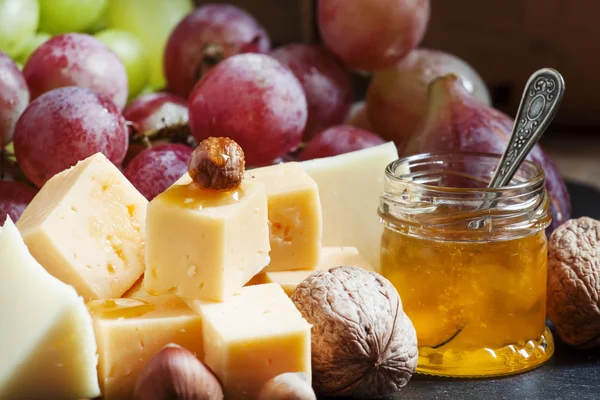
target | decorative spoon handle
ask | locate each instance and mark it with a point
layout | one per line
(541, 98)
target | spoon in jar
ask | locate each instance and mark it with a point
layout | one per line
(541, 98)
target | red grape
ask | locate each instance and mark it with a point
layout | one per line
(397, 97)
(14, 97)
(76, 59)
(339, 139)
(155, 169)
(372, 34)
(155, 112)
(133, 150)
(206, 36)
(64, 126)
(254, 100)
(156, 118)
(326, 83)
(14, 198)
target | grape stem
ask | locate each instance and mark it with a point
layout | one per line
(179, 133)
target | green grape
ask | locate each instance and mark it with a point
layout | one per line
(18, 23)
(10, 148)
(62, 16)
(152, 22)
(131, 52)
(33, 44)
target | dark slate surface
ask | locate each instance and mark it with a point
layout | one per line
(569, 374)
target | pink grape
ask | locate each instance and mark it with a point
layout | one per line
(14, 97)
(76, 59)
(155, 169)
(156, 117)
(133, 150)
(372, 34)
(337, 140)
(254, 100)
(153, 112)
(14, 198)
(206, 36)
(64, 126)
(326, 83)
(397, 97)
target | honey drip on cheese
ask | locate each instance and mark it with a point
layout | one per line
(191, 197)
(119, 308)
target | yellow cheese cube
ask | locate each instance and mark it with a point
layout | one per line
(130, 331)
(252, 337)
(86, 226)
(203, 244)
(330, 257)
(295, 221)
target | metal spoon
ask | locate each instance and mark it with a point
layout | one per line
(541, 98)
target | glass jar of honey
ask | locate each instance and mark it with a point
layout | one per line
(469, 262)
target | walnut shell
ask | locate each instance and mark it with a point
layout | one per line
(363, 344)
(574, 282)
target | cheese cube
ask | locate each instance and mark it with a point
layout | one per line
(330, 257)
(47, 345)
(203, 244)
(130, 331)
(349, 187)
(86, 226)
(295, 222)
(252, 337)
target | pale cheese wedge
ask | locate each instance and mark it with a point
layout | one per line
(47, 345)
(349, 188)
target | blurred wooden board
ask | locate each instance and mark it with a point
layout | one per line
(507, 40)
(576, 155)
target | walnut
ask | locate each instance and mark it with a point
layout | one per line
(363, 344)
(217, 163)
(574, 282)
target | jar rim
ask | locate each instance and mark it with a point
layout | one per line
(391, 172)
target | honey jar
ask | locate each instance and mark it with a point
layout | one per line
(469, 263)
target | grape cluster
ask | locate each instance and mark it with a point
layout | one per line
(143, 81)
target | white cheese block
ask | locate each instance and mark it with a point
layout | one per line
(47, 345)
(349, 188)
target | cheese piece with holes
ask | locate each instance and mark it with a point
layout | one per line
(86, 227)
(295, 222)
(204, 244)
(349, 187)
(252, 337)
(330, 257)
(131, 330)
(47, 345)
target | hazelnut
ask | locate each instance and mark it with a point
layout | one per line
(574, 282)
(288, 386)
(174, 373)
(217, 163)
(363, 344)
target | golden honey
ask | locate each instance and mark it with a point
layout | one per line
(476, 296)
(191, 197)
(119, 308)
